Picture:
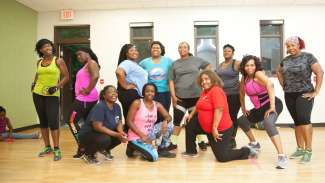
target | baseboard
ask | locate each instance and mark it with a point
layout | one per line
(26, 128)
(292, 125)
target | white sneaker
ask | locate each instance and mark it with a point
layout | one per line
(282, 162)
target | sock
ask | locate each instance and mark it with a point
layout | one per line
(173, 139)
(200, 138)
(254, 143)
(281, 155)
(56, 148)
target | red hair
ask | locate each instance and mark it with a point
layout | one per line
(301, 43)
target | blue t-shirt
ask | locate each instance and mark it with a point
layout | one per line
(134, 74)
(101, 112)
(157, 73)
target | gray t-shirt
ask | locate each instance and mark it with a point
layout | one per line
(184, 73)
(297, 72)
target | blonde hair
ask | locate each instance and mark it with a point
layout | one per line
(215, 79)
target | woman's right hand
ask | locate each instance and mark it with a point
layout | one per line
(122, 137)
(145, 139)
(245, 112)
(174, 100)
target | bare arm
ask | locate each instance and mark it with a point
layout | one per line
(318, 71)
(237, 65)
(9, 127)
(172, 92)
(242, 96)
(216, 120)
(279, 73)
(166, 116)
(99, 127)
(64, 72)
(265, 81)
(120, 74)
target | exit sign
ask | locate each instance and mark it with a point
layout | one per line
(67, 14)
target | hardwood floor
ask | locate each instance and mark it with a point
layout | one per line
(19, 164)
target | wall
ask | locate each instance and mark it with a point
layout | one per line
(18, 34)
(238, 26)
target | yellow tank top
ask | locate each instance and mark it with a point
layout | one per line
(47, 77)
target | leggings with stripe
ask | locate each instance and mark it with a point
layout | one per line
(256, 115)
(79, 110)
(183, 105)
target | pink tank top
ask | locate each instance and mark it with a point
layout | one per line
(82, 81)
(257, 93)
(144, 120)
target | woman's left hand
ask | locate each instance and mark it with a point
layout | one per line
(309, 95)
(267, 113)
(84, 91)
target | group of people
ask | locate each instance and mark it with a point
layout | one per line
(146, 89)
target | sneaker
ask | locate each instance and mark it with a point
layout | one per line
(306, 157)
(233, 143)
(253, 154)
(193, 155)
(172, 147)
(45, 151)
(90, 159)
(166, 154)
(299, 152)
(107, 155)
(256, 146)
(282, 162)
(129, 151)
(79, 154)
(57, 154)
(203, 146)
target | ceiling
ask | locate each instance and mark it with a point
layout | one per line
(54, 5)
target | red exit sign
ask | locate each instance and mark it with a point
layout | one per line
(67, 14)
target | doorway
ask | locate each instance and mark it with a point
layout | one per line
(67, 39)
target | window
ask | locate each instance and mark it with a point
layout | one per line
(271, 44)
(206, 41)
(142, 36)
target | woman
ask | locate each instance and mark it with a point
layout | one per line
(103, 129)
(228, 71)
(214, 120)
(183, 89)
(143, 130)
(131, 77)
(267, 107)
(85, 92)
(157, 67)
(294, 74)
(46, 94)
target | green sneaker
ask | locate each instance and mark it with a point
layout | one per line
(45, 151)
(57, 154)
(306, 157)
(299, 152)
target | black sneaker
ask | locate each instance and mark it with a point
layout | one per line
(107, 155)
(79, 154)
(203, 146)
(129, 151)
(164, 153)
(171, 147)
(90, 159)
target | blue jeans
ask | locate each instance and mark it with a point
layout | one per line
(20, 136)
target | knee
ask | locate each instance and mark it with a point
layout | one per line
(222, 157)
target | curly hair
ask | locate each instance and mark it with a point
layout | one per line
(162, 47)
(40, 43)
(215, 79)
(244, 61)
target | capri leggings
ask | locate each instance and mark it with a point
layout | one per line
(256, 115)
(299, 107)
(47, 108)
(183, 105)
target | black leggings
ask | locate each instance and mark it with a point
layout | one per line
(221, 149)
(126, 97)
(79, 110)
(47, 108)
(234, 106)
(95, 141)
(299, 107)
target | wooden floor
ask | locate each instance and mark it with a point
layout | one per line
(19, 164)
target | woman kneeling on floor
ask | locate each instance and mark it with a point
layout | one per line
(103, 129)
(213, 119)
(143, 130)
